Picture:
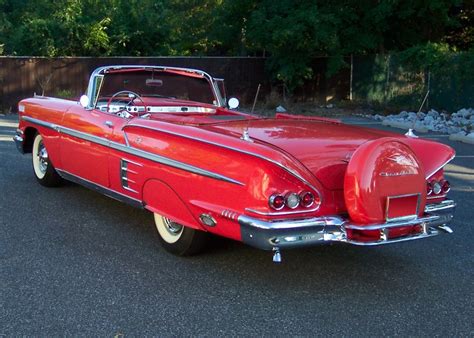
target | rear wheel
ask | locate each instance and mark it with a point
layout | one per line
(178, 239)
(42, 166)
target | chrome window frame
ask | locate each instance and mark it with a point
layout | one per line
(101, 71)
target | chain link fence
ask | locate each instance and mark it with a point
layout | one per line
(388, 81)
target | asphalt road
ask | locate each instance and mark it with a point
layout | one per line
(73, 262)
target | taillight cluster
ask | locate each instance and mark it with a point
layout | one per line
(293, 200)
(435, 188)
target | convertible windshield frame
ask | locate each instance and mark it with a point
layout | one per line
(93, 91)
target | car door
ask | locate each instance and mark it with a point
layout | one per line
(85, 144)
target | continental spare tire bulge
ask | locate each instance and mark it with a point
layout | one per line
(384, 181)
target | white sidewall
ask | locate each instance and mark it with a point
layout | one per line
(162, 228)
(36, 158)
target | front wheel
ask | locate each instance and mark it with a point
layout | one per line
(178, 239)
(42, 166)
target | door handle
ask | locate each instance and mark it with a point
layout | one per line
(109, 124)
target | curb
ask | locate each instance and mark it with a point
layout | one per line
(461, 138)
(404, 125)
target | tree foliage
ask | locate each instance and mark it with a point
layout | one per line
(291, 33)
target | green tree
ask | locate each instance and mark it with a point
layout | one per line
(291, 33)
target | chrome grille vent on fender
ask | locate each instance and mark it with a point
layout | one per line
(128, 174)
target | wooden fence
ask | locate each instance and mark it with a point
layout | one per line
(21, 77)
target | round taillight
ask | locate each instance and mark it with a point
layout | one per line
(429, 188)
(292, 200)
(436, 188)
(306, 199)
(277, 202)
(317, 200)
(445, 186)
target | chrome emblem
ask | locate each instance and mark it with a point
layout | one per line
(401, 173)
(401, 160)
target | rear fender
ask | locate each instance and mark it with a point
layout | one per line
(432, 155)
(160, 198)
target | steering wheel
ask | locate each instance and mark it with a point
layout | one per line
(132, 96)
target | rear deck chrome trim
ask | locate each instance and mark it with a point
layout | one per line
(441, 166)
(133, 151)
(291, 172)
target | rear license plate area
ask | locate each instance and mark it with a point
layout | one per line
(402, 207)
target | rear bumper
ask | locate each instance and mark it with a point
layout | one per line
(298, 233)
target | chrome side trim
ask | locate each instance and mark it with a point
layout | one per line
(134, 151)
(441, 166)
(101, 189)
(291, 172)
(40, 123)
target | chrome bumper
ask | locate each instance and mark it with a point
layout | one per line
(298, 233)
(18, 138)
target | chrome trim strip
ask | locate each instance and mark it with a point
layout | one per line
(40, 123)
(397, 224)
(292, 224)
(441, 166)
(291, 172)
(131, 190)
(128, 170)
(132, 162)
(431, 231)
(134, 151)
(444, 205)
(180, 109)
(101, 189)
(280, 213)
(125, 136)
(434, 197)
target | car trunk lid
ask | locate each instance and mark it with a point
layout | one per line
(323, 147)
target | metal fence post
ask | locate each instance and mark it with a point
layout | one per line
(351, 77)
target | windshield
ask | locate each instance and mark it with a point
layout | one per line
(152, 83)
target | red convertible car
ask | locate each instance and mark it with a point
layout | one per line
(166, 139)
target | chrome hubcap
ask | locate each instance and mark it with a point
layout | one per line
(172, 227)
(43, 158)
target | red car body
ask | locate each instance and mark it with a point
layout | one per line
(274, 183)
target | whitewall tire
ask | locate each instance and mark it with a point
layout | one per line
(42, 166)
(179, 239)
